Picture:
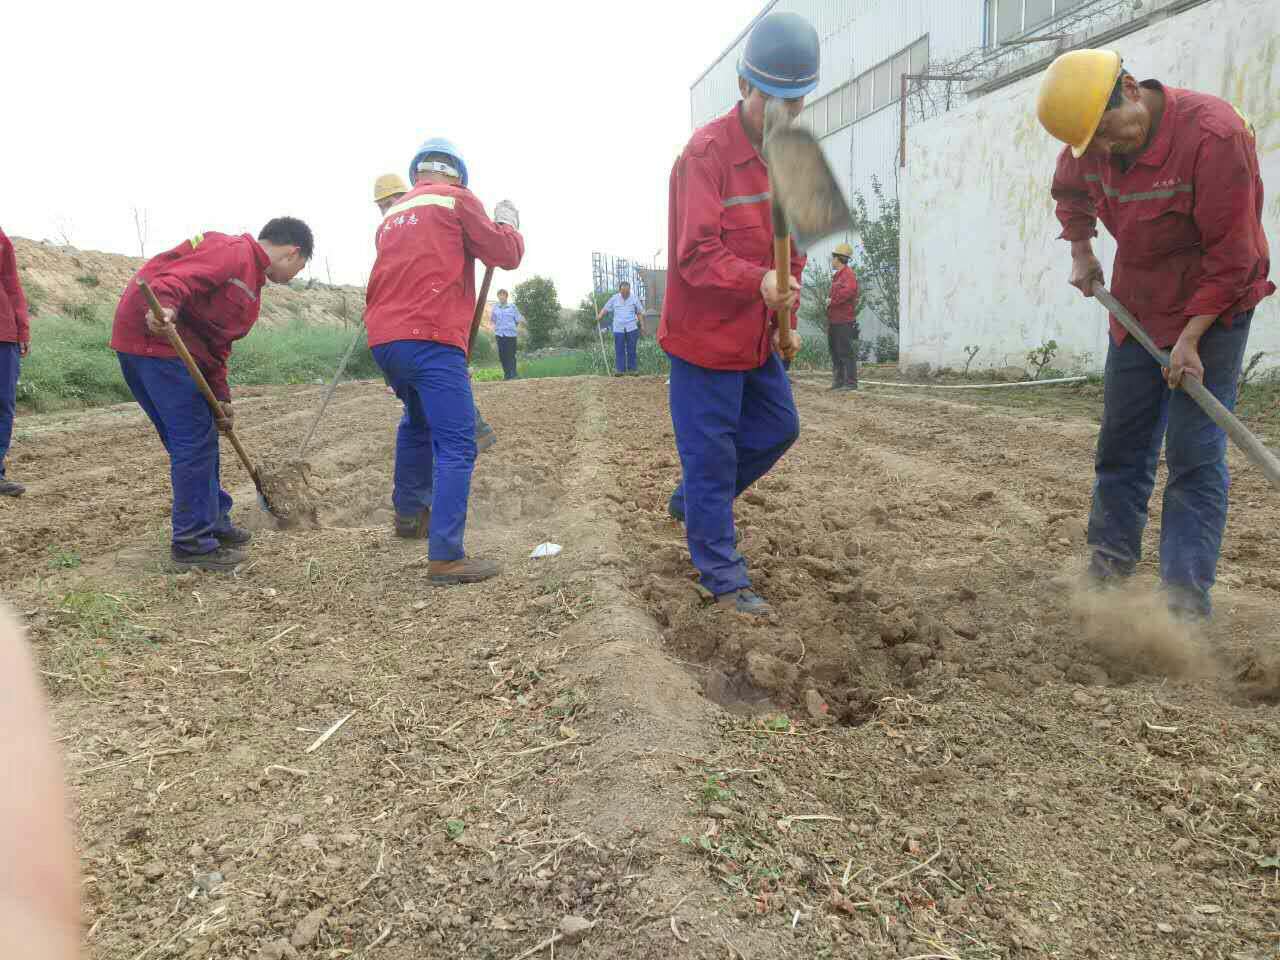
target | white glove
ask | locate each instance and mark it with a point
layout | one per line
(506, 212)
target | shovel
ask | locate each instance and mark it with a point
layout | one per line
(804, 194)
(287, 508)
(1240, 435)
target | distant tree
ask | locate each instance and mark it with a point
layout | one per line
(815, 294)
(589, 307)
(877, 263)
(537, 302)
(142, 228)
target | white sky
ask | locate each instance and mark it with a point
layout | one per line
(222, 115)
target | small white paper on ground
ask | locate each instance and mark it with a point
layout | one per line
(545, 550)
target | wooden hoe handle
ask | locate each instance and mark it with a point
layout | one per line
(1240, 435)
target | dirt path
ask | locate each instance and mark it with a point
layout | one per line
(927, 753)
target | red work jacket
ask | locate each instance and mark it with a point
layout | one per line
(843, 308)
(213, 281)
(15, 326)
(1186, 214)
(719, 247)
(423, 284)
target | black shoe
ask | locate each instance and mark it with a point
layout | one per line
(233, 536)
(11, 488)
(221, 560)
(485, 440)
(413, 526)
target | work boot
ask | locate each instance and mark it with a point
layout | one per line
(233, 536)
(466, 570)
(413, 526)
(744, 601)
(221, 560)
(11, 488)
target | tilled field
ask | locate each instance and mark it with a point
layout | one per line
(936, 748)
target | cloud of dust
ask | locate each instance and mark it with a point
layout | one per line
(1133, 626)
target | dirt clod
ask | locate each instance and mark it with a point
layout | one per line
(286, 486)
(573, 929)
(308, 927)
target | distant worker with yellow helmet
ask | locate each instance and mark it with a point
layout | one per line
(842, 320)
(387, 191)
(1173, 174)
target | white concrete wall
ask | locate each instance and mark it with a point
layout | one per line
(981, 264)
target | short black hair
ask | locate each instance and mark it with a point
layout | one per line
(289, 232)
(1117, 92)
(624, 283)
(504, 291)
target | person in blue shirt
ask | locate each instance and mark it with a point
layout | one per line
(627, 310)
(506, 316)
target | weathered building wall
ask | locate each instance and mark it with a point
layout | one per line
(981, 262)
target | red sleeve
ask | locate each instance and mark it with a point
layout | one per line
(1076, 210)
(13, 287)
(701, 256)
(493, 244)
(1226, 196)
(208, 266)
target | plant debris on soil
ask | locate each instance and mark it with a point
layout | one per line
(935, 747)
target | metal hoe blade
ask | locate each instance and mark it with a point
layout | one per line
(804, 185)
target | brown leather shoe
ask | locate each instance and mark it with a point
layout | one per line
(466, 570)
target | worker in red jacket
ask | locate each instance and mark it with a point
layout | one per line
(1173, 174)
(387, 191)
(209, 286)
(731, 403)
(419, 306)
(842, 320)
(15, 343)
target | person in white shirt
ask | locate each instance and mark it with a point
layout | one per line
(627, 310)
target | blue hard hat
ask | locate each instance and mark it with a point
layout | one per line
(781, 58)
(438, 145)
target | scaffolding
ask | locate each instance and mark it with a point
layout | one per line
(609, 272)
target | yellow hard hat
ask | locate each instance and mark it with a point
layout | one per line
(388, 185)
(1074, 95)
(843, 250)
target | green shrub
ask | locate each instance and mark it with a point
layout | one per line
(71, 364)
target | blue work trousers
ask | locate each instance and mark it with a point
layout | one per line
(731, 427)
(436, 441)
(10, 364)
(165, 391)
(1140, 413)
(624, 350)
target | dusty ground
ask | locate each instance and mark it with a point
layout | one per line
(935, 750)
